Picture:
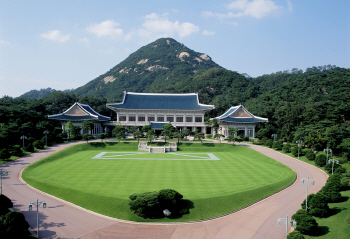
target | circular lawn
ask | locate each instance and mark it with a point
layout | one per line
(214, 178)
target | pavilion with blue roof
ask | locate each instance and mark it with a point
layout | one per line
(240, 118)
(78, 113)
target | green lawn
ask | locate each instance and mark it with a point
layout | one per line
(334, 227)
(215, 187)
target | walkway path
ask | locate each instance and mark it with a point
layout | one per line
(63, 220)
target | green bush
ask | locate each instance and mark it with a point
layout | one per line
(328, 167)
(277, 145)
(306, 224)
(286, 148)
(209, 136)
(13, 225)
(5, 204)
(30, 148)
(5, 154)
(38, 144)
(310, 155)
(17, 150)
(87, 137)
(295, 235)
(316, 205)
(321, 160)
(152, 204)
(295, 151)
(269, 143)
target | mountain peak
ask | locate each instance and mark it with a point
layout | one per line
(159, 64)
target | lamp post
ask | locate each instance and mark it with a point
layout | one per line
(46, 133)
(24, 149)
(327, 150)
(307, 187)
(30, 207)
(333, 161)
(273, 136)
(299, 141)
(286, 221)
(2, 172)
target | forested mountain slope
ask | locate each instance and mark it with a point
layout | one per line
(160, 66)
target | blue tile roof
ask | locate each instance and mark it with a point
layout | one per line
(233, 109)
(159, 101)
(90, 114)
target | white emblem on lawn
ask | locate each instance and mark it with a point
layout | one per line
(150, 156)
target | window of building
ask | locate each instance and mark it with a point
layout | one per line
(160, 118)
(122, 118)
(170, 119)
(150, 118)
(179, 119)
(132, 118)
(198, 119)
(189, 119)
(142, 118)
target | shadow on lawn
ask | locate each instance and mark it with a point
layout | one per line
(335, 210)
(321, 231)
(183, 208)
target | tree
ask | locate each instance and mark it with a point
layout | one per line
(119, 132)
(137, 134)
(178, 135)
(87, 137)
(231, 138)
(146, 128)
(168, 130)
(232, 131)
(215, 125)
(150, 135)
(313, 139)
(238, 139)
(13, 225)
(306, 224)
(132, 130)
(87, 126)
(68, 127)
(199, 136)
(218, 136)
(102, 136)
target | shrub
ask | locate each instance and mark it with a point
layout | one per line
(310, 155)
(286, 148)
(152, 204)
(38, 144)
(5, 204)
(13, 225)
(30, 148)
(316, 205)
(269, 143)
(5, 154)
(277, 145)
(321, 160)
(328, 167)
(306, 224)
(295, 235)
(209, 136)
(295, 151)
(87, 137)
(17, 151)
(264, 140)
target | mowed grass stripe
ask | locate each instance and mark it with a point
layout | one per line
(241, 173)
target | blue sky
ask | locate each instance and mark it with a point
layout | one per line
(66, 44)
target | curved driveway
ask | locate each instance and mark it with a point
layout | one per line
(63, 220)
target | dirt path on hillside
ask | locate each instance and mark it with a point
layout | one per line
(64, 220)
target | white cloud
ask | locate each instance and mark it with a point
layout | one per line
(4, 42)
(290, 6)
(207, 33)
(85, 39)
(159, 24)
(55, 35)
(251, 8)
(106, 28)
